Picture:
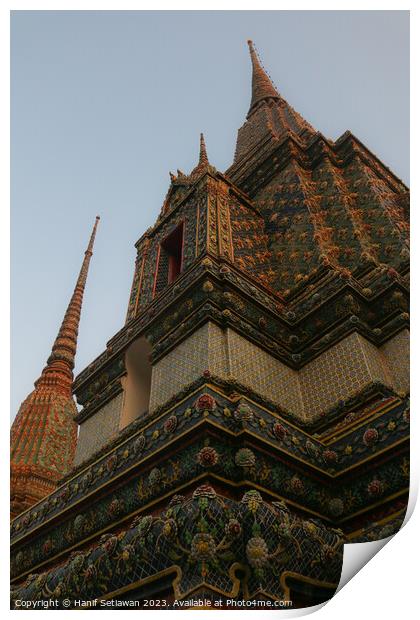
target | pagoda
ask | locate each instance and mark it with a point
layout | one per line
(252, 414)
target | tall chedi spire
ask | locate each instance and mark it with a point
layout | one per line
(308, 189)
(44, 433)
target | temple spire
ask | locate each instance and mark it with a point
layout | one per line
(262, 86)
(44, 432)
(61, 360)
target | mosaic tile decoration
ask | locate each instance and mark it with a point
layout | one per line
(257, 369)
(335, 375)
(98, 429)
(236, 456)
(388, 417)
(193, 531)
(204, 350)
(397, 354)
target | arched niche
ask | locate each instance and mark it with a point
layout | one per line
(136, 383)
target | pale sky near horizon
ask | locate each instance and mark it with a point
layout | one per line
(105, 103)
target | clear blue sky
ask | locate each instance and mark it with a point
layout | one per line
(104, 104)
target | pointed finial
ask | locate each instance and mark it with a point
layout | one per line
(63, 351)
(203, 159)
(262, 86)
(92, 236)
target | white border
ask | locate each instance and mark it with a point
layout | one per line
(386, 586)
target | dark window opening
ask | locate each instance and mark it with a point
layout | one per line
(170, 258)
(172, 246)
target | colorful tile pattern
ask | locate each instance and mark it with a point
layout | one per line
(339, 373)
(97, 430)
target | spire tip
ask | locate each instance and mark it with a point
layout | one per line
(262, 86)
(203, 159)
